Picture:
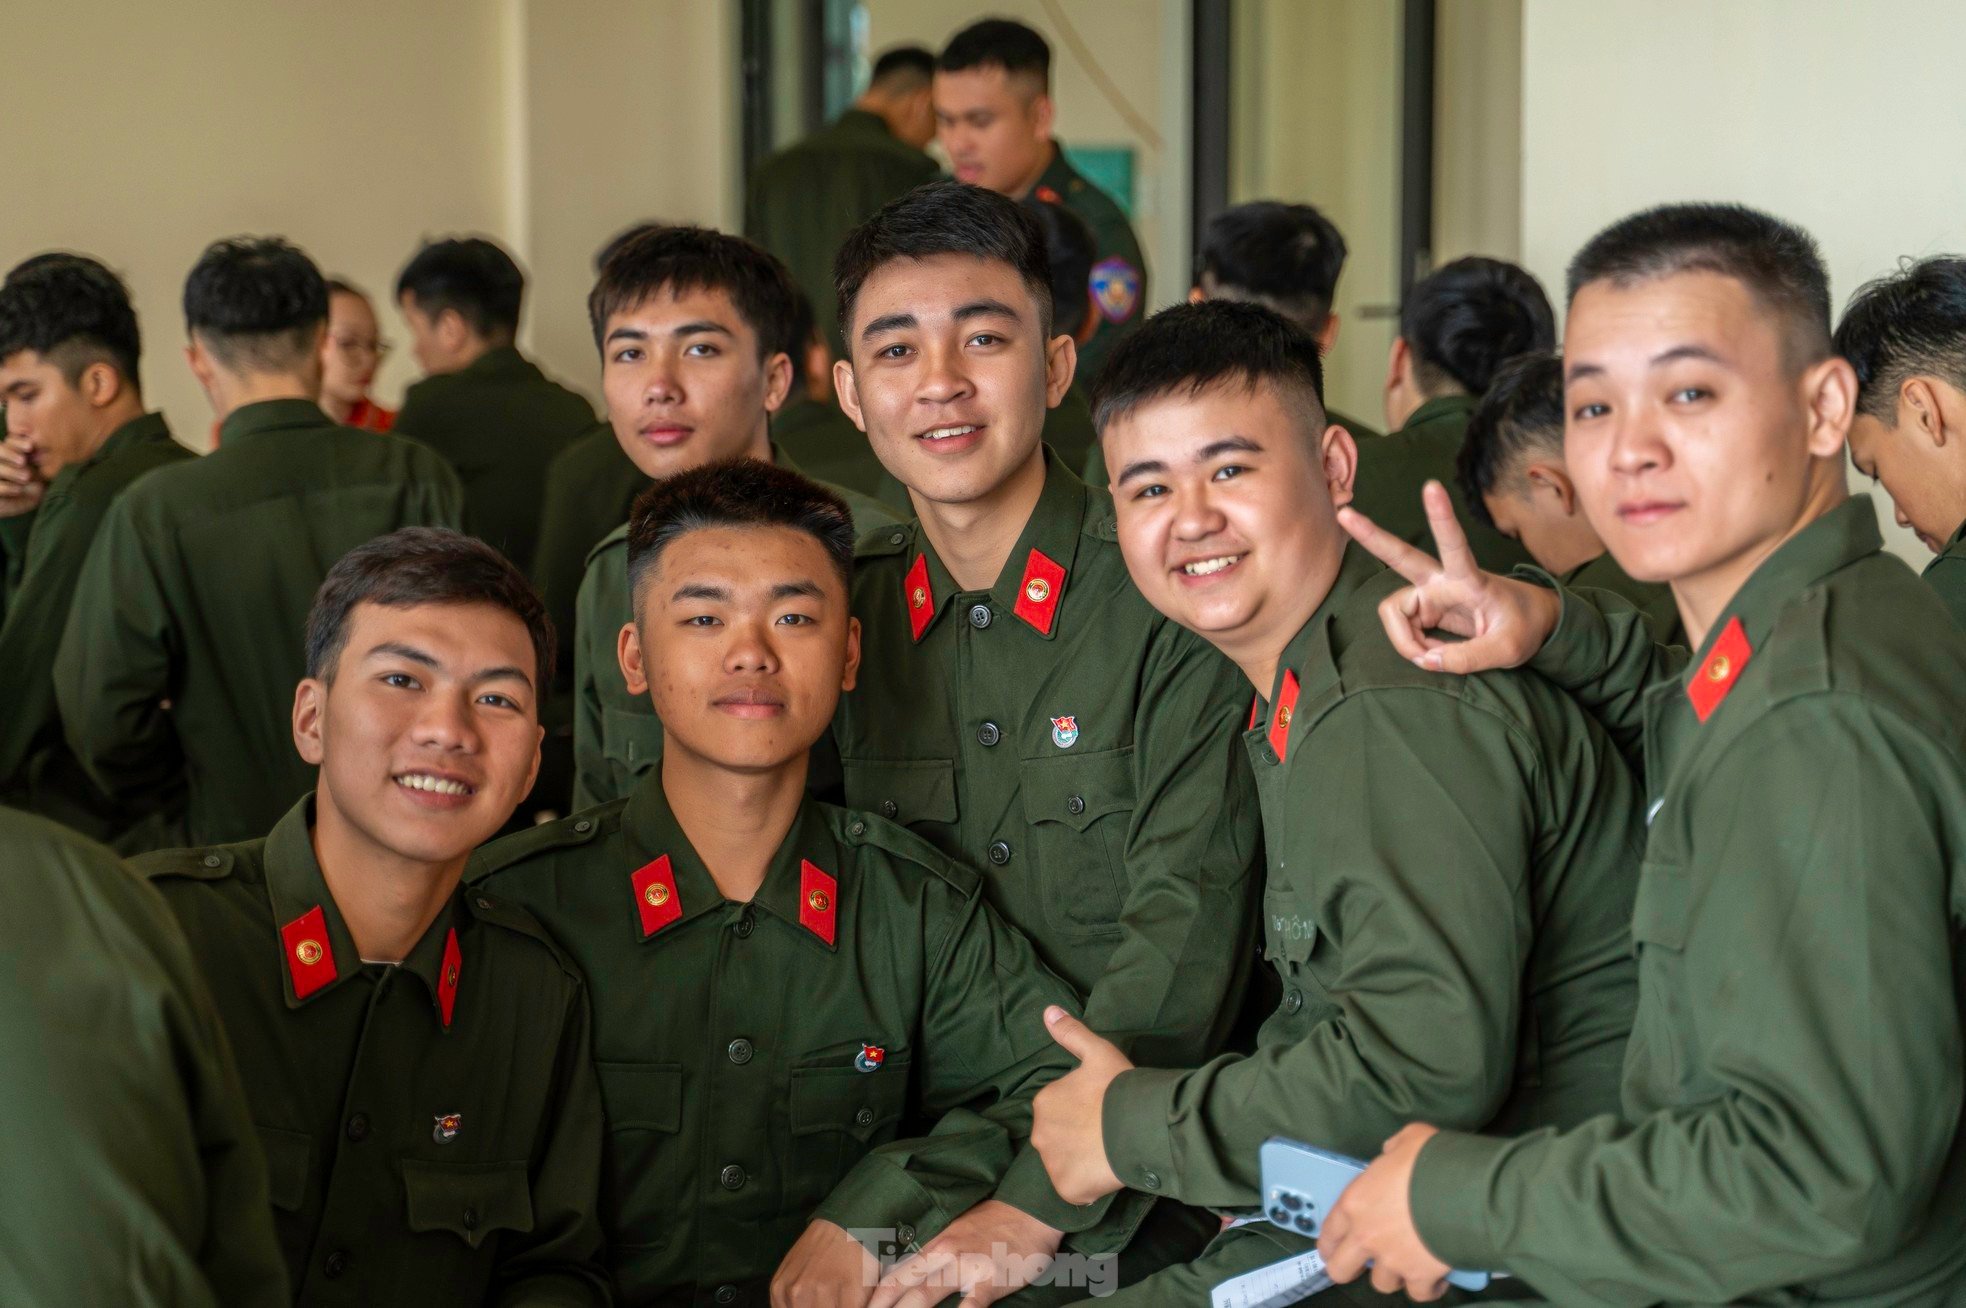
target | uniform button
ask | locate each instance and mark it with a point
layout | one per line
(334, 1264)
(980, 616)
(1150, 1179)
(1269, 755)
(213, 860)
(999, 852)
(746, 925)
(740, 1051)
(583, 825)
(726, 1294)
(732, 1177)
(865, 1117)
(358, 1127)
(904, 1233)
(890, 809)
(1293, 1000)
(895, 539)
(470, 1219)
(989, 733)
(482, 902)
(857, 829)
(1075, 805)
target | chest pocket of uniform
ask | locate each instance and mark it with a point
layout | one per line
(837, 1114)
(632, 738)
(1658, 1054)
(289, 1156)
(908, 791)
(1078, 810)
(469, 1200)
(644, 1106)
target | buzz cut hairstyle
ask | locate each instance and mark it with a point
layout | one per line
(903, 68)
(1286, 257)
(471, 276)
(999, 43)
(1520, 416)
(73, 312)
(256, 303)
(1911, 323)
(414, 566)
(1465, 318)
(741, 493)
(652, 261)
(1188, 349)
(1776, 261)
(945, 217)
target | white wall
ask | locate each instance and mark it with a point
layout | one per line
(1846, 118)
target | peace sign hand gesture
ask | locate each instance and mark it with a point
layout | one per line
(1502, 622)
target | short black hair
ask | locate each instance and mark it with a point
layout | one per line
(735, 493)
(905, 67)
(1191, 348)
(1909, 324)
(1285, 256)
(681, 259)
(945, 217)
(342, 286)
(1070, 249)
(1521, 414)
(256, 302)
(471, 275)
(621, 238)
(998, 42)
(1464, 319)
(423, 565)
(72, 311)
(1777, 261)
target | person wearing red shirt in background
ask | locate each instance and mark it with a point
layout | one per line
(352, 352)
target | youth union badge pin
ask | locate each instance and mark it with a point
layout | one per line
(446, 1129)
(870, 1058)
(1065, 731)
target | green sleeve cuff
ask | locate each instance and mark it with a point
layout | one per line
(1027, 1188)
(1449, 1198)
(1136, 1123)
(878, 1197)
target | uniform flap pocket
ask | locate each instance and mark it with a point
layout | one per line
(631, 737)
(921, 790)
(289, 1155)
(642, 1096)
(844, 1098)
(470, 1200)
(1659, 912)
(1077, 791)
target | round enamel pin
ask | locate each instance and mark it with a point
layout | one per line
(657, 895)
(308, 952)
(1065, 731)
(446, 1129)
(869, 1059)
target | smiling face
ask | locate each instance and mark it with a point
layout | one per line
(684, 384)
(950, 373)
(744, 642)
(1227, 506)
(1696, 444)
(427, 734)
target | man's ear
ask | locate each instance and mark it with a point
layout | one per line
(101, 385)
(778, 381)
(1196, 295)
(1061, 362)
(199, 360)
(1327, 335)
(1918, 406)
(852, 676)
(310, 706)
(1553, 480)
(1042, 110)
(1830, 389)
(452, 331)
(628, 653)
(848, 389)
(1339, 453)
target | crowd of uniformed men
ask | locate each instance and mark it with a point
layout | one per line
(972, 858)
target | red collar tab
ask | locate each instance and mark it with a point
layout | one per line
(918, 596)
(447, 979)
(655, 896)
(1255, 712)
(1280, 720)
(819, 907)
(1038, 593)
(310, 956)
(1723, 666)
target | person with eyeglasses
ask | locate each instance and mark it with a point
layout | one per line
(353, 351)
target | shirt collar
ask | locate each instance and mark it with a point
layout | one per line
(500, 360)
(863, 120)
(1441, 406)
(269, 415)
(1059, 174)
(1955, 548)
(145, 429)
(1307, 674)
(801, 887)
(1034, 578)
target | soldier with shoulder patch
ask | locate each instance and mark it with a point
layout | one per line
(813, 1033)
(1791, 1126)
(415, 1053)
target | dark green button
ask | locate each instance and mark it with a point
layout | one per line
(865, 1117)
(732, 1177)
(999, 852)
(890, 809)
(726, 1294)
(981, 617)
(989, 734)
(740, 1051)
(1075, 805)
(1151, 1180)
(857, 829)
(1293, 1000)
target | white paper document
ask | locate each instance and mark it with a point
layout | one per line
(1274, 1286)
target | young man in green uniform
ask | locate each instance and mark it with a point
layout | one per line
(1449, 922)
(1456, 328)
(1512, 478)
(496, 419)
(184, 642)
(993, 113)
(809, 1024)
(132, 1173)
(1906, 337)
(79, 435)
(415, 1053)
(1791, 1127)
(1020, 705)
(696, 339)
(804, 199)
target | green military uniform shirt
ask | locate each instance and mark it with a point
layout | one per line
(1791, 1129)
(132, 1176)
(804, 200)
(616, 735)
(1946, 574)
(590, 487)
(432, 1129)
(1393, 469)
(183, 646)
(499, 422)
(1095, 460)
(38, 771)
(860, 1042)
(1119, 273)
(1653, 600)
